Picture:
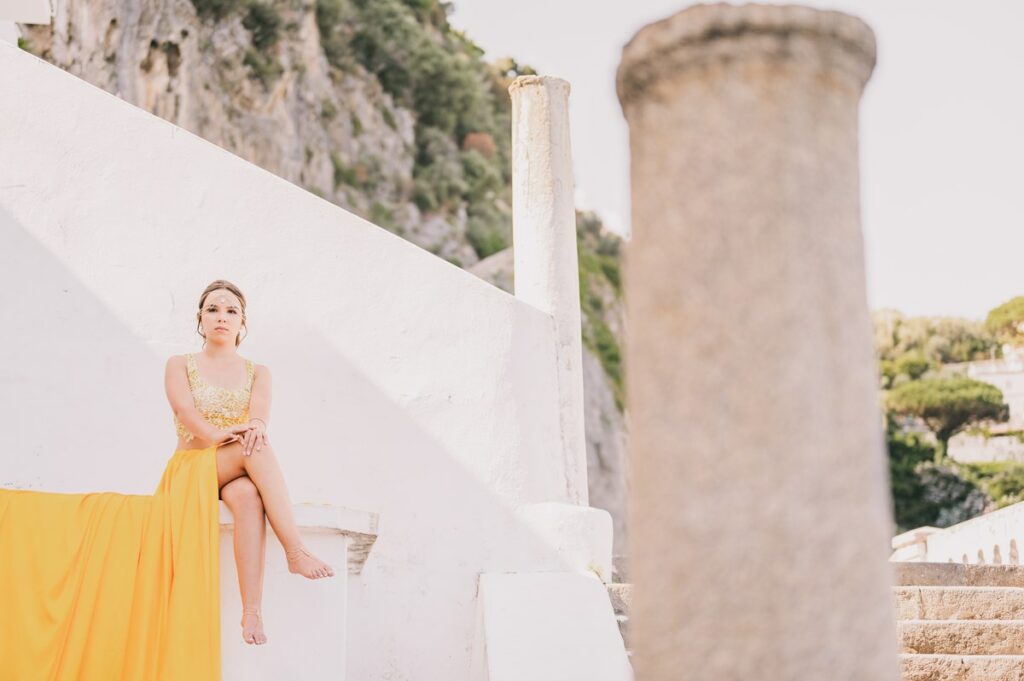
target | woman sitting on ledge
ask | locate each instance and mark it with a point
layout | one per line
(105, 585)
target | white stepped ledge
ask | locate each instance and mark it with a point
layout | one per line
(359, 527)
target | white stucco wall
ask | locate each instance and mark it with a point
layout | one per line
(402, 384)
(549, 627)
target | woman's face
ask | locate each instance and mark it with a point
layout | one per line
(221, 318)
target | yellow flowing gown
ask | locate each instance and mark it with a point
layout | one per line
(104, 586)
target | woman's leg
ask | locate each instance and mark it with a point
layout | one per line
(242, 497)
(262, 468)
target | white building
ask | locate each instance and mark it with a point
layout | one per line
(1007, 374)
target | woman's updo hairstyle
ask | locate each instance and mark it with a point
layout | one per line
(213, 286)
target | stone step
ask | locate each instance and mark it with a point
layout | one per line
(959, 602)
(917, 602)
(620, 593)
(962, 667)
(957, 621)
(914, 574)
(961, 637)
(956, 574)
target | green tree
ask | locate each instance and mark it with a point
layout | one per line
(600, 262)
(948, 405)
(462, 162)
(1006, 321)
(926, 493)
(905, 345)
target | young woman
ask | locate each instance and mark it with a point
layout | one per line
(210, 412)
(105, 585)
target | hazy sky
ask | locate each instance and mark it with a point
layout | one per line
(942, 132)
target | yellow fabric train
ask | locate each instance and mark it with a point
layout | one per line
(104, 586)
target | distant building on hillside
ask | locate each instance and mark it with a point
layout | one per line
(1007, 374)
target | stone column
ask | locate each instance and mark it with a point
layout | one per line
(544, 236)
(761, 512)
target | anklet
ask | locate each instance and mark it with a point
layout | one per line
(296, 552)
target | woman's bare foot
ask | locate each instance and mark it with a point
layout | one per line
(301, 561)
(252, 626)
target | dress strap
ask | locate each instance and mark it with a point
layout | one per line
(252, 371)
(190, 369)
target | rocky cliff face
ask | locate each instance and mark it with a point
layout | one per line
(336, 133)
(333, 96)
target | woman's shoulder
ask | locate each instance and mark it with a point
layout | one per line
(182, 361)
(177, 360)
(258, 369)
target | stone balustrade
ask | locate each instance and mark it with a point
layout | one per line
(987, 539)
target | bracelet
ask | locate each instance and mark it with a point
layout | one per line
(255, 418)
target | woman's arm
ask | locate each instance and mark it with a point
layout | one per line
(259, 412)
(180, 396)
(259, 402)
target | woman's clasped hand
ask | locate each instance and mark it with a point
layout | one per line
(252, 435)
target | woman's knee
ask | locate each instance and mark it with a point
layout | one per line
(264, 450)
(229, 463)
(241, 493)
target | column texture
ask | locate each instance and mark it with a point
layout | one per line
(761, 512)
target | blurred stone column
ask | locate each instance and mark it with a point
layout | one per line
(761, 511)
(546, 273)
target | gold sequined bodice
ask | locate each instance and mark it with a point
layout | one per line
(222, 407)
